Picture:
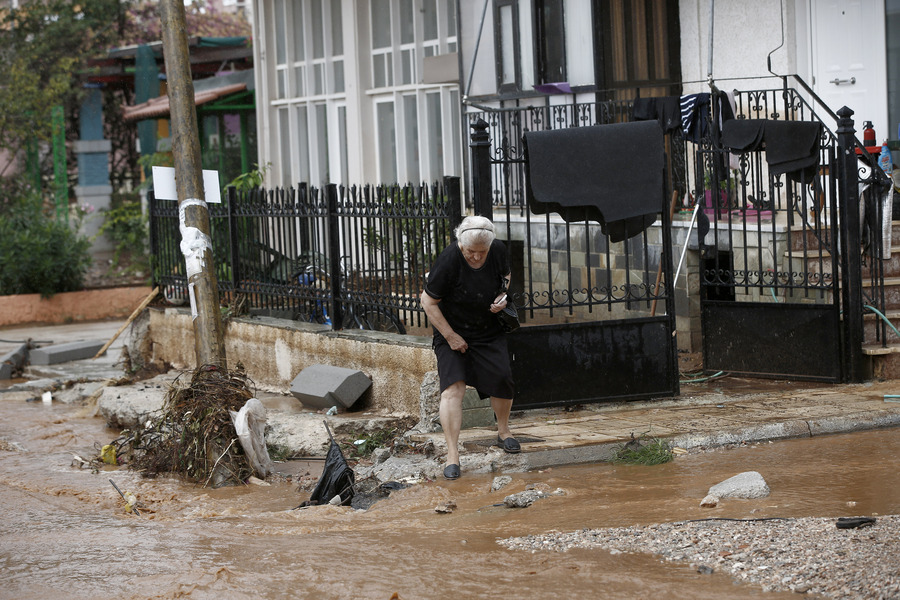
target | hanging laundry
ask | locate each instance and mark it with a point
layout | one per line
(695, 113)
(792, 147)
(664, 109)
(611, 174)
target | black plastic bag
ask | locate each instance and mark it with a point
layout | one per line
(509, 317)
(337, 478)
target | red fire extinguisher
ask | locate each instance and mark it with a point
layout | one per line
(868, 134)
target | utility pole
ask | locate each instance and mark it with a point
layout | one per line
(193, 213)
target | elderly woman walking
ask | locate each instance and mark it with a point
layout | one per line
(461, 298)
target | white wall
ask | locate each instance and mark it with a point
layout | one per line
(744, 33)
(484, 78)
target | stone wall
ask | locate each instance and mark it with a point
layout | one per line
(71, 307)
(274, 351)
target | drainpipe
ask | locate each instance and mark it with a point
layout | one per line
(709, 69)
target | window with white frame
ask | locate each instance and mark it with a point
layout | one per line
(281, 66)
(299, 39)
(407, 43)
(387, 141)
(451, 27)
(566, 41)
(284, 145)
(413, 121)
(411, 138)
(310, 109)
(382, 45)
(430, 37)
(600, 43)
(321, 144)
(302, 143)
(435, 125)
(420, 129)
(337, 48)
(513, 36)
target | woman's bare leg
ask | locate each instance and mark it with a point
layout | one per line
(451, 418)
(502, 408)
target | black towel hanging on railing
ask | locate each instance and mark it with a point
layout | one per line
(612, 174)
(792, 147)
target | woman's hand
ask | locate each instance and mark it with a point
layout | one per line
(499, 303)
(434, 314)
(457, 342)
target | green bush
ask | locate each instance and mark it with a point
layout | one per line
(38, 254)
(126, 227)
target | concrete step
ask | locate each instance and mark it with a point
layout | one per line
(817, 262)
(891, 291)
(800, 238)
(871, 322)
(884, 361)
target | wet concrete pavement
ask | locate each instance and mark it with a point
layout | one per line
(708, 413)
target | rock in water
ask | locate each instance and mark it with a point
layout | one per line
(749, 484)
(709, 502)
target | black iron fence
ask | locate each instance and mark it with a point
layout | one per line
(570, 270)
(348, 257)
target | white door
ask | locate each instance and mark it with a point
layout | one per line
(849, 55)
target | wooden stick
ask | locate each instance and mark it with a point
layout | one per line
(659, 269)
(133, 316)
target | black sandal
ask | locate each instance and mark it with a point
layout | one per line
(510, 445)
(451, 471)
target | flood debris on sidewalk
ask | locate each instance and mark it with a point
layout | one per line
(638, 452)
(194, 436)
(130, 499)
(336, 483)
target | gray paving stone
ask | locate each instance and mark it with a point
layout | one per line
(59, 353)
(13, 361)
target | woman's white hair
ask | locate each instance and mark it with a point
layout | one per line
(475, 231)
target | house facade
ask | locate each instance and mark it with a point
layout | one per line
(376, 91)
(356, 92)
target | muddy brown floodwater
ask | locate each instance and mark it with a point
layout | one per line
(64, 532)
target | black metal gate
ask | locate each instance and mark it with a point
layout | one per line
(779, 296)
(598, 315)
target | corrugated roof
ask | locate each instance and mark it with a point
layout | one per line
(159, 107)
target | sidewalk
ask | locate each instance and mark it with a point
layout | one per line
(711, 413)
(715, 413)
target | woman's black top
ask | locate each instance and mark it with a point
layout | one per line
(466, 294)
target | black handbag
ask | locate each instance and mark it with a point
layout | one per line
(509, 316)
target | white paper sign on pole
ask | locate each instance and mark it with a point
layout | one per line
(164, 185)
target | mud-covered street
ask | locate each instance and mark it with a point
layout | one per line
(65, 531)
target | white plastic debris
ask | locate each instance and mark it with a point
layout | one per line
(250, 425)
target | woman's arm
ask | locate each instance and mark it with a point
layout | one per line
(501, 300)
(436, 318)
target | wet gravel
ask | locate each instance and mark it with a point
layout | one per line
(805, 555)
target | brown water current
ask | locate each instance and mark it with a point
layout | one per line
(65, 533)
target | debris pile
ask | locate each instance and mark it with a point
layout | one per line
(194, 436)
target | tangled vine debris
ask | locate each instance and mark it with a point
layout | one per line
(194, 435)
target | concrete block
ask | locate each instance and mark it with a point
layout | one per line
(13, 361)
(477, 412)
(324, 386)
(60, 353)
